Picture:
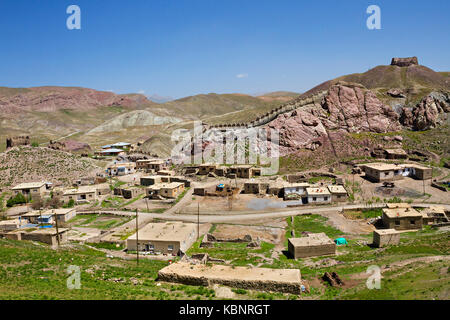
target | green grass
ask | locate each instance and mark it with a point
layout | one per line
(311, 223)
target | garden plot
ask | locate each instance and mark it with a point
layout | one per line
(95, 221)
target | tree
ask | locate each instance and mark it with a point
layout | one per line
(37, 204)
(54, 202)
(17, 199)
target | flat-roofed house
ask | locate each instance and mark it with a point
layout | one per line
(165, 190)
(168, 238)
(256, 187)
(154, 165)
(417, 171)
(402, 217)
(385, 237)
(166, 173)
(295, 191)
(38, 217)
(10, 225)
(397, 153)
(33, 189)
(338, 193)
(434, 214)
(83, 194)
(47, 235)
(312, 245)
(150, 180)
(129, 192)
(379, 172)
(110, 152)
(207, 168)
(120, 169)
(318, 195)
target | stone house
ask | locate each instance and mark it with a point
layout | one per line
(31, 189)
(167, 238)
(401, 217)
(165, 190)
(385, 237)
(338, 193)
(312, 245)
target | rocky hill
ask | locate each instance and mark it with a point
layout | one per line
(26, 163)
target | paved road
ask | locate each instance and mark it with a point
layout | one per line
(276, 213)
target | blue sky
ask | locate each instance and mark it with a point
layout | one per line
(179, 48)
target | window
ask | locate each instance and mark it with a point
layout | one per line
(412, 221)
(314, 198)
(325, 198)
(170, 247)
(386, 173)
(397, 223)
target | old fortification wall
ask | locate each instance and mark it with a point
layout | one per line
(17, 141)
(274, 113)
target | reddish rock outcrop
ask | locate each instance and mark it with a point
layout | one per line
(347, 108)
(356, 109)
(427, 113)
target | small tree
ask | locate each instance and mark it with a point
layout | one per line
(54, 202)
(37, 204)
(17, 199)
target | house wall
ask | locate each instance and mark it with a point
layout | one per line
(381, 240)
(402, 223)
(339, 197)
(319, 199)
(311, 251)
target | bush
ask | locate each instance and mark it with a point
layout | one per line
(34, 144)
(17, 199)
(69, 204)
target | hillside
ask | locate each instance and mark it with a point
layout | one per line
(415, 81)
(206, 105)
(47, 113)
(42, 164)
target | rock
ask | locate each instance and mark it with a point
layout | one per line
(387, 138)
(404, 62)
(396, 93)
(398, 138)
(254, 244)
(426, 114)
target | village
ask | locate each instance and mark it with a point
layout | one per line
(144, 207)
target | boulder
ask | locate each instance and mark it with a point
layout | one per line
(404, 62)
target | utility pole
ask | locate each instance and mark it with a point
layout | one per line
(146, 202)
(137, 238)
(198, 220)
(57, 230)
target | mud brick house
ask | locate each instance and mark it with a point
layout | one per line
(245, 171)
(207, 168)
(31, 189)
(168, 238)
(83, 194)
(338, 193)
(166, 173)
(378, 172)
(10, 225)
(395, 154)
(148, 165)
(48, 216)
(150, 180)
(296, 191)
(318, 195)
(256, 187)
(313, 245)
(165, 190)
(129, 192)
(47, 235)
(385, 237)
(120, 169)
(402, 216)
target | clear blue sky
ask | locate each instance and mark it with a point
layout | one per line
(178, 48)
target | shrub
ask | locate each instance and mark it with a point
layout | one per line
(34, 144)
(17, 199)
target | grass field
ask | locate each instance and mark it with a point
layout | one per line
(34, 271)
